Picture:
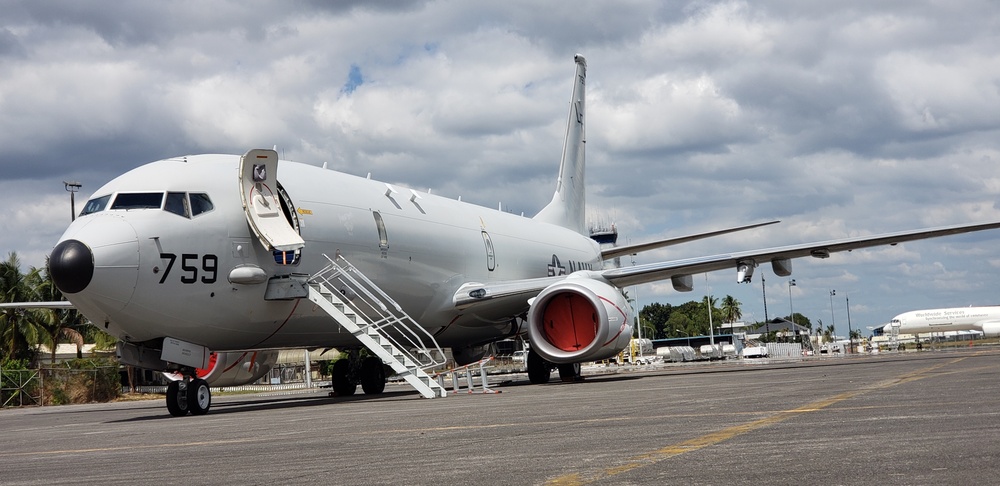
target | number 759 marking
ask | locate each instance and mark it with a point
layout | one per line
(189, 267)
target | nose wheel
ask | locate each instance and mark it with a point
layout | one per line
(188, 396)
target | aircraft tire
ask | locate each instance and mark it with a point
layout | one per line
(372, 376)
(177, 402)
(570, 372)
(339, 380)
(539, 370)
(199, 397)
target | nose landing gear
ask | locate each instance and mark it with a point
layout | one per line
(188, 395)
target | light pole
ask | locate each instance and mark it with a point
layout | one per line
(72, 187)
(791, 311)
(638, 320)
(708, 302)
(678, 331)
(763, 293)
(850, 332)
(833, 319)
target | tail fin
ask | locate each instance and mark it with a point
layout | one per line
(569, 204)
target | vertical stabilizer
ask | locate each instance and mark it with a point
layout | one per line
(568, 206)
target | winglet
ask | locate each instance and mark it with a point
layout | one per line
(568, 205)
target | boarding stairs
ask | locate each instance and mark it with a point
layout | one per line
(379, 323)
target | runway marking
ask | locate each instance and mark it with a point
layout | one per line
(727, 433)
(135, 447)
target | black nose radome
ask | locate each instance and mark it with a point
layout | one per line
(71, 266)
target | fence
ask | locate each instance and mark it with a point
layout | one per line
(58, 386)
(19, 388)
(784, 350)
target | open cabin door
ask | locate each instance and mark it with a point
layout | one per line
(261, 203)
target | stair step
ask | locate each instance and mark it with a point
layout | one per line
(371, 337)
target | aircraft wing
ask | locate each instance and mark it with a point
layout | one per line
(618, 251)
(58, 304)
(779, 257)
(502, 292)
(472, 294)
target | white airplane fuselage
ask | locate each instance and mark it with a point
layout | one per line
(181, 266)
(985, 319)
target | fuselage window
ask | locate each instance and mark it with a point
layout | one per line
(138, 200)
(200, 203)
(177, 204)
(95, 205)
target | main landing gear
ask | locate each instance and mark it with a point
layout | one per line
(539, 370)
(349, 372)
(188, 395)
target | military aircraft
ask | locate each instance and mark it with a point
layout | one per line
(211, 262)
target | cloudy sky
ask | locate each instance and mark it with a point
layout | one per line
(838, 118)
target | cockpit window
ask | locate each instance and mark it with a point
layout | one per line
(200, 203)
(138, 200)
(177, 203)
(95, 205)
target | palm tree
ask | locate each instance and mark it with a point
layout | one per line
(18, 329)
(731, 309)
(828, 333)
(57, 324)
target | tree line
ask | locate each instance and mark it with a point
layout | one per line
(661, 321)
(23, 331)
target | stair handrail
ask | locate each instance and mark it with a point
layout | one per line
(401, 330)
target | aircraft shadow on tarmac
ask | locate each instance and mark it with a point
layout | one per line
(289, 402)
(274, 403)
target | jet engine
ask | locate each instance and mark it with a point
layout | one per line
(235, 368)
(579, 319)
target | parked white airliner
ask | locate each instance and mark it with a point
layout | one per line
(211, 261)
(983, 319)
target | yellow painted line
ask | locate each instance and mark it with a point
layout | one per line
(727, 433)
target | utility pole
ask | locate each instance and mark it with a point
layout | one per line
(763, 292)
(72, 187)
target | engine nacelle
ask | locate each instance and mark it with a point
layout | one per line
(579, 319)
(235, 368)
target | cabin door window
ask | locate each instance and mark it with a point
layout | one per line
(491, 258)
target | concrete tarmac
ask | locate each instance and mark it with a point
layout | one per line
(909, 418)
